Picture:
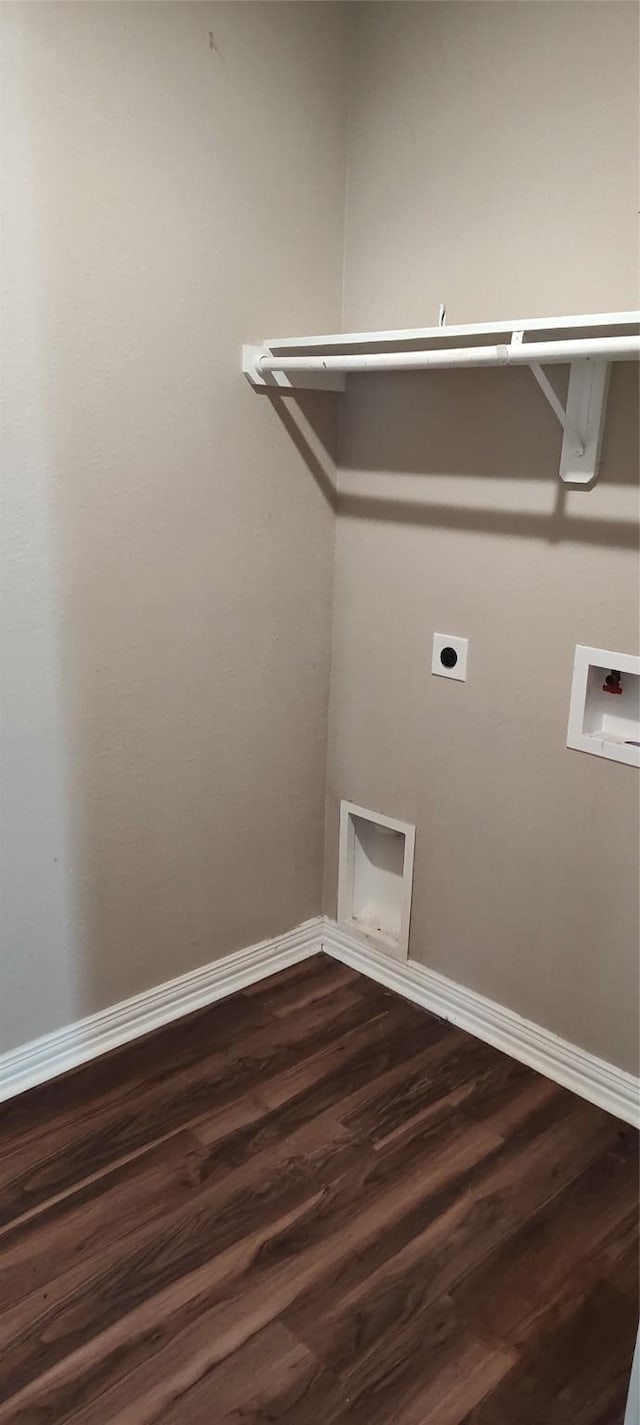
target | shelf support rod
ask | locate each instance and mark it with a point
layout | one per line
(550, 395)
(260, 362)
(557, 407)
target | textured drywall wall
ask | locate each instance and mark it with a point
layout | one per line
(173, 181)
(492, 164)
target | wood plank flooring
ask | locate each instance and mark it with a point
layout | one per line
(314, 1204)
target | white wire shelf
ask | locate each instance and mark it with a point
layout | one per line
(588, 343)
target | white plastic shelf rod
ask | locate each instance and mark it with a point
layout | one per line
(608, 348)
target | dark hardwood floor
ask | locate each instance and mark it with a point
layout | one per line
(314, 1204)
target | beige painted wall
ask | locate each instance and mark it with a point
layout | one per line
(173, 182)
(492, 165)
(493, 160)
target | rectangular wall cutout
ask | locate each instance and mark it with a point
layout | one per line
(375, 877)
(603, 722)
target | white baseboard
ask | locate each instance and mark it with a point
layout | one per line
(603, 1084)
(65, 1049)
(594, 1079)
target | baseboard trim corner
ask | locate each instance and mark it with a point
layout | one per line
(574, 1068)
(602, 1083)
(53, 1054)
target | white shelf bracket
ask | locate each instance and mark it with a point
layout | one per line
(583, 419)
(558, 408)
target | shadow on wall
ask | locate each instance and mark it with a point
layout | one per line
(488, 449)
(309, 419)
